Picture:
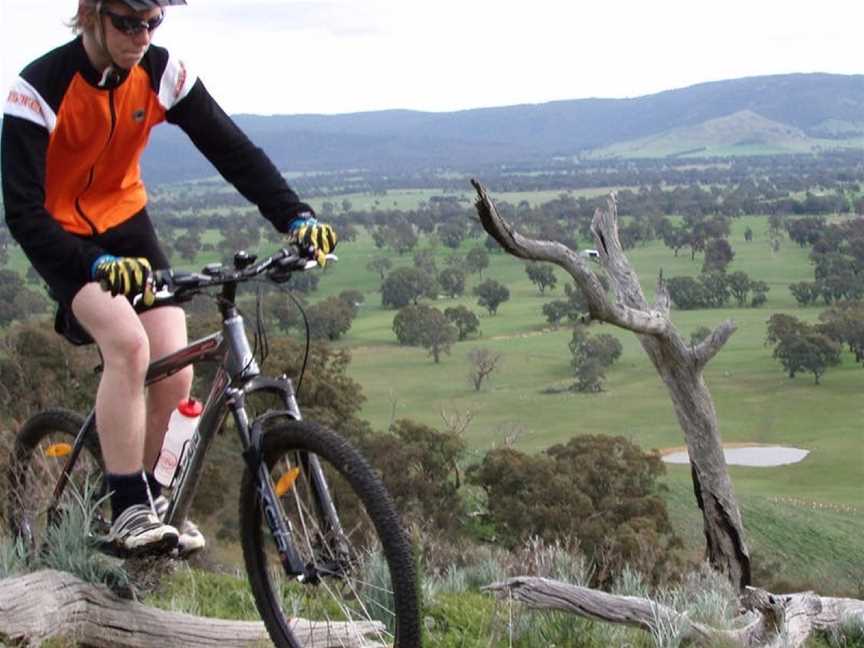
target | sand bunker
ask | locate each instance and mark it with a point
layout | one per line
(747, 455)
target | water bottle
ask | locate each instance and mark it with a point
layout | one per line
(181, 427)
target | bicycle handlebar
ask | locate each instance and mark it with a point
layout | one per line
(172, 286)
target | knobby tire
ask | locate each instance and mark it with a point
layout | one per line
(371, 525)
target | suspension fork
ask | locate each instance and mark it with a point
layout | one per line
(270, 502)
(274, 514)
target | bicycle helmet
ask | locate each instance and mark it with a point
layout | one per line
(144, 5)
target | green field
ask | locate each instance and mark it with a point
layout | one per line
(818, 501)
(756, 402)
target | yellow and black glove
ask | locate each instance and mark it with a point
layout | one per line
(127, 276)
(319, 239)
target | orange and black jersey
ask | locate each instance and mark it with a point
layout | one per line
(72, 141)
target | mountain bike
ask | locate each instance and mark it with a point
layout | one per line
(319, 533)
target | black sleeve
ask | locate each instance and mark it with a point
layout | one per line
(239, 161)
(23, 147)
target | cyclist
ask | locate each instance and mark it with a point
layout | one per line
(75, 124)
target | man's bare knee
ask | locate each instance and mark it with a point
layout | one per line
(116, 328)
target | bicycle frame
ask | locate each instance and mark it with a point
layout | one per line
(237, 375)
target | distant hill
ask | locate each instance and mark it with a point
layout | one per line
(741, 132)
(771, 114)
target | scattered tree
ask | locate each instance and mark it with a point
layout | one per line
(425, 326)
(801, 347)
(811, 353)
(555, 311)
(188, 245)
(687, 293)
(400, 236)
(675, 238)
(591, 356)
(844, 323)
(483, 362)
(380, 266)
(330, 318)
(541, 275)
(804, 292)
(452, 233)
(464, 319)
(405, 286)
(491, 294)
(408, 323)
(477, 260)
(452, 282)
(718, 255)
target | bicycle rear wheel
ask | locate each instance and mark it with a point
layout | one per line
(364, 582)
(42, 448)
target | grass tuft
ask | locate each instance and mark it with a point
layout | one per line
(13, 557)
(70, 546)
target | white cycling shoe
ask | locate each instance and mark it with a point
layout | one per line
(190, 539)
(139, 532)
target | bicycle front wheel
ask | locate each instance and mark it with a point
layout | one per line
(42, 449)
(363, 582)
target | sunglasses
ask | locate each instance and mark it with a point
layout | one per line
(132, 26)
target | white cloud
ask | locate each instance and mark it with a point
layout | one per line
(273, 56)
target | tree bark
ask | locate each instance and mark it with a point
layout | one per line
(768, 620)
(679, 364)
(45, 604)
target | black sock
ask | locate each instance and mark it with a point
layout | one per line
(126, 491)
(153, 484)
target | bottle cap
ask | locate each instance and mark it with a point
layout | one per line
(190, 408)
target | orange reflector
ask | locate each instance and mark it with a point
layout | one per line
(286, 481)
(58, 450)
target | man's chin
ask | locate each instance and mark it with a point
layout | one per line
(130, 61)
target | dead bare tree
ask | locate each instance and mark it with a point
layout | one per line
(679, 364)
(457, 422)
(483, 363)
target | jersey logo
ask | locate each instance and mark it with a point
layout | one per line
(138, 115)
(28, 103)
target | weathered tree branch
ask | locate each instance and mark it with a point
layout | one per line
(45, 604)
(769, 621)
(679, 365)
(710, 346)
(599, 306)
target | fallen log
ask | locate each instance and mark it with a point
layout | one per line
(767, 620)
(45, 604)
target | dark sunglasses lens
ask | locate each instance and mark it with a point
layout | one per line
(153, 23)
(131, 25)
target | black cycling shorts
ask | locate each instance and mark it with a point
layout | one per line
(131, 238)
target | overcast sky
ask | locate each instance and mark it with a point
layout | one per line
(336, 56)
